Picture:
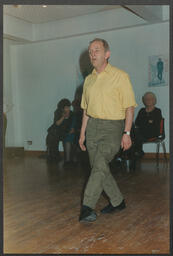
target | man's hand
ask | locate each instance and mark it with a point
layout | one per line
(82, 131)
(126, 142)
(81, 142)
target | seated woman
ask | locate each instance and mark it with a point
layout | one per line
(65, 122)
(147, 123)
(62, 129)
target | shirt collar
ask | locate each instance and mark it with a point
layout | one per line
(107, 69)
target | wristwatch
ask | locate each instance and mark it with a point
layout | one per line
(126, 132)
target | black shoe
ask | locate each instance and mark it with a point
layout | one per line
(87, 214)
(68, 164)
(109, 208)
(54, 158)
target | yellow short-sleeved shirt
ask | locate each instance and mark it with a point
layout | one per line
(108, 94)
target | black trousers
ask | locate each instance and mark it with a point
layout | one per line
(139, 139)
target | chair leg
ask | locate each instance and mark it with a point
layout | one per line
(164, 150)
(128, 164)
(157, 152)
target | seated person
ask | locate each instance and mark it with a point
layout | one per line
(62, 129)
(147, 123)
(65, 122)
(77, 111)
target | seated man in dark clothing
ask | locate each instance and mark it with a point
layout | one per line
(147, 123)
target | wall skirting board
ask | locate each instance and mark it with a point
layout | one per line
(19, 151)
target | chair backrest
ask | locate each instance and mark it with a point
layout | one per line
(161, 133)
(162, 129)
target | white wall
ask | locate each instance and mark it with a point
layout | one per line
(134, 46)
(43, 73)
(10, 96)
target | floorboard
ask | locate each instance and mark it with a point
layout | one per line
(42, 205)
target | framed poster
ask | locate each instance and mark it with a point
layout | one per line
(158, 71)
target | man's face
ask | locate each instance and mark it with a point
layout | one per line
(97, 54)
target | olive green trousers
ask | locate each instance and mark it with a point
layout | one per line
(103, 140)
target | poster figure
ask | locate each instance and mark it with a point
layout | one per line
(160, 66)
(158, 71)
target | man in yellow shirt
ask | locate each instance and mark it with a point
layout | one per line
(108, 109)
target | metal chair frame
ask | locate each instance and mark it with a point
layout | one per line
(159, 141)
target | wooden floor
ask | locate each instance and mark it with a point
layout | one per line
(42, 206)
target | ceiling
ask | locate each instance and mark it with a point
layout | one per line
(23, 23)
(38, 14)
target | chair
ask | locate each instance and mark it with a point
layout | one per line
(159, 141)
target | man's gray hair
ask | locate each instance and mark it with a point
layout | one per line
(104, 42)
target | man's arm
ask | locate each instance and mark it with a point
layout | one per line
(126, 140)
(83, 129)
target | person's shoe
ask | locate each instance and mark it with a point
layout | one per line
(87, 214)
(110, 208)
(67, 164)
(139, 154)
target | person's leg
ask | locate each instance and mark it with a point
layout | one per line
(67, 151)
(87, 213)
(75, 153)
(53, 150)
(103, 143)
(138, 142)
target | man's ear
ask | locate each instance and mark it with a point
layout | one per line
(107, 55)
